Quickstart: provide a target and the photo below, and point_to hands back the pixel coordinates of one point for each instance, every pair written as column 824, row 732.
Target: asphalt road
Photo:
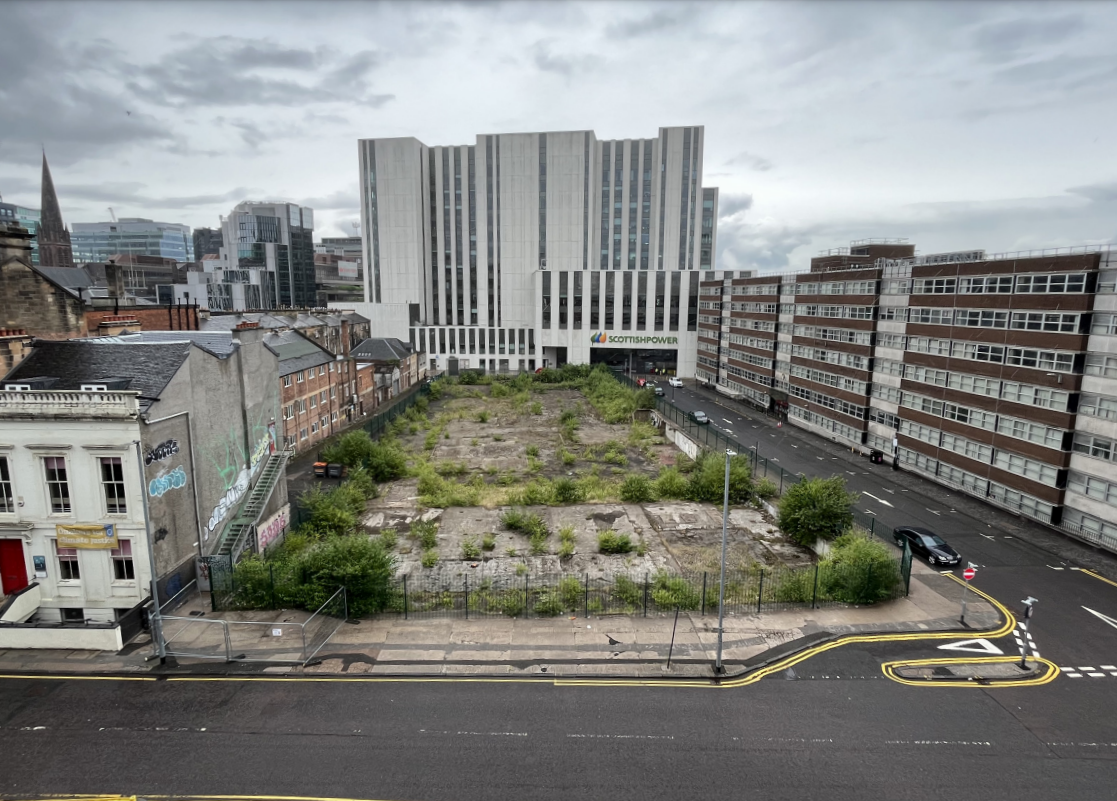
column 1017, row 558
column 835, row 738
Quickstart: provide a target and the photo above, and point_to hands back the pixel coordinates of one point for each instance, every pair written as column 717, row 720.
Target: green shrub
column 449, row 468
column 538, row 544
column 670, row 591
column 637, row 489
column 566, row 457
column 613, row 401
column 568, row 416
column 329, row 512
column 426, row 533
column 532, row 450
column 498, row 438
column 536, row 408
column 707, row 481
column 627, row 591
column 671, row 484
column 469, row 377
column 431, row 439
column 549, row 604
column 641, row 548
column 612, row 542
column 470, row 548
column 530, row 524
column 429, row 558
column 488, row 542
column 859, row 571
column 766, row 488
column 816, row 509
column 521, row 568
column 536, row 492
column 572, row 592
column 499, row 390
column 389, row 537
column 566, row 550
column 794, row 586
column 482, row 417
column 512, row 602
column 567, row 491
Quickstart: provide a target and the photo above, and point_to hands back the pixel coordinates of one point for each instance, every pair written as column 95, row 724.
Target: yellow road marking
column 1095, row 575
column 743, row 681
column 890, row 667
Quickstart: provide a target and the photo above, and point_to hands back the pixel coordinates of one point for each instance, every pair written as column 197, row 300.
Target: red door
column 13, row 570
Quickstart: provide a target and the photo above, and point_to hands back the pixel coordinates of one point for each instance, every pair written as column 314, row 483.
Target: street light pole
column 1028, row 608
column 724, row 537
column 160, row 652
column 965, row 589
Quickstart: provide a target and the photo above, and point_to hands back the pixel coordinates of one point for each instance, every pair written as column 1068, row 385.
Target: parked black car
column 927, row 544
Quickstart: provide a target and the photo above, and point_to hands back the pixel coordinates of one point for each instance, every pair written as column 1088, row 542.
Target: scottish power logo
column 603, row 338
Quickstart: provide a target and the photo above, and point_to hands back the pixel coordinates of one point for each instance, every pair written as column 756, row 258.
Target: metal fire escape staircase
column 236, row 537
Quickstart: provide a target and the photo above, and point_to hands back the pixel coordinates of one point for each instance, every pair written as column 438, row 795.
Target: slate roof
column 148, row 367
column 227, row 322
column 382, row 349
column 219, row 343
column 296, row 352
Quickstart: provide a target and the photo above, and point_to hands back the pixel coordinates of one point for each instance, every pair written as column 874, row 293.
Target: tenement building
column 536, row 249
column 992, row 374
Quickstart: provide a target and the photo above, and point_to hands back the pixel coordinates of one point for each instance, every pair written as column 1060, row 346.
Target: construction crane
column 112, row 214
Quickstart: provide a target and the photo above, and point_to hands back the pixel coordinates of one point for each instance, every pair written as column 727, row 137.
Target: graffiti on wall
column 161, row 485
column 230, row 499
column 270, row 529
column 164, row 450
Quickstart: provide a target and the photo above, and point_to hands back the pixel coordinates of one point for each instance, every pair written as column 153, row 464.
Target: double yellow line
column 741, row 681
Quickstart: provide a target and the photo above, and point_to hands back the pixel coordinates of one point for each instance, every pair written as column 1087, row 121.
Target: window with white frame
column 1092, row 487
column 286, row 380
column 68, row 568
column 1049, row 284
column 313, row 401
column 123, row 568
column 1035, row 396
column 917, row 461
column 981, row 318
column 888, row 367
column 926, row 375
column 1031, row 432
column 112, row 485
column 288, row 411
column 1092, row 405
column 967, row 447
column 1045, row 321
column 934, row 286
column 1107, row 282
column 1024, row 503
column 949, row 474
column 1104, row 324
column 892, row 394
column 1089, row 525
column 894, row 313
column 985, row 285
column 7, row 499
column 889, row 340
column 978, row 352
column 1100, row 364
column 299, row 377
column 920, row 432
column 978, row 385
column 58, row 486
column 1028, row 468
column 302, row 433
column 1093, row 445
column 931, row 345
column 930, row 315
column 1040, row 359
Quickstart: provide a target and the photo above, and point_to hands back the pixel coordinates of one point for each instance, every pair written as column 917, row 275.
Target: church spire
column 54, row 239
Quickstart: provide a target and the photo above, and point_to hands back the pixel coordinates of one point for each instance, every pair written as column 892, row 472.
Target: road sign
column 968, row 573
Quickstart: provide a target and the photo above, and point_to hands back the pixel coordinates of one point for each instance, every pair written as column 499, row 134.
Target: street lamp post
column 965, row 589
column 1028, row 608
column 724, row 538
column 156, row 618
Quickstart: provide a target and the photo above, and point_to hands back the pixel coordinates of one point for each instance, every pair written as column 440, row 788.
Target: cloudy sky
column 954, row 124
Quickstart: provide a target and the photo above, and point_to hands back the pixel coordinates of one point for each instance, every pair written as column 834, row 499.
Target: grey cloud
column 130, row 194
column 1098, row 193
column 763, row 246
column 631, row 28
column 226, row 71
column 341, row 199
column 729, row 205
column 750, row 160
column 547, row 61
column 1005, row 39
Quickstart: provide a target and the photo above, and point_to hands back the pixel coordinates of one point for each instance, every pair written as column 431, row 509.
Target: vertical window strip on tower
column 662, row 195
column 676, row 281
column 472, row 187
column 626, row 303
column 610, row 299
column 693, row 199
column 595, row 299
column 606, row 150
column 459, row 249
column 546, row 300
column 564, row 300
column 683, row 216
column 489, row 226
column 448, row 273
column 692, row 304
column 642, row 302
column 618, row 201
column 375, row 227
column 633, row 195
column 542, row 200
column 499, row 299
column 577, row 321
column 646, row 204
column 434, row 239
column 660, row 286
column 586, row 200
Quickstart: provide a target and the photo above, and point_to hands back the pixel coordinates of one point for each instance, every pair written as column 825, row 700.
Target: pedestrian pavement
column 623, row 646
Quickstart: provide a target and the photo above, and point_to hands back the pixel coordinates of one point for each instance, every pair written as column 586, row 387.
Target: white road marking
column 623, row 736
column 848, row 471
column 932, row 511
column 1108, row 667
column 1086, row 669
column 1052, row 567
column 1096, row 675
column 1072, row 675
column 937, row 742
column 1102, row 617
column 875, row 498
column 479, row 733
column 795, row 446
column 987, row 536
column 888, row 490
column 979, row 646
column 773, row 459
column 726, row 419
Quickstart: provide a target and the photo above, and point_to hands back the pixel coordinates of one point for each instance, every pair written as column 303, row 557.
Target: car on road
column 675, row 382
column 700, row 418
column 659, row 390
column 927, row 544
column 641, row 382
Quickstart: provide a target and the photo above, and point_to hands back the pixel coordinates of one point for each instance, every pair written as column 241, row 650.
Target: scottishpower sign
column 604, row 338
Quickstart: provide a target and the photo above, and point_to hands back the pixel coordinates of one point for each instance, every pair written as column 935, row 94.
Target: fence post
column 814, row 597
column 760, row 592
column 703, row 592
column 781, row 481
column 271, row 574
column 405, row 596
column 872, row 527
column 467, row 596
column 868, row 581
column 645, row 595
column 527, row 595
column 587, row 595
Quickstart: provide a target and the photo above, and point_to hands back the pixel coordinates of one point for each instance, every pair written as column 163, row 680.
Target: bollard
column 760, row 592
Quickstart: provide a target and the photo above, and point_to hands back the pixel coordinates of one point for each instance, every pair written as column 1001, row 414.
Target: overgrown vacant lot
column 479, row 452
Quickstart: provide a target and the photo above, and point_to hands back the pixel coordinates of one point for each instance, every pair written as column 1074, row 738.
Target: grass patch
column 613, row 543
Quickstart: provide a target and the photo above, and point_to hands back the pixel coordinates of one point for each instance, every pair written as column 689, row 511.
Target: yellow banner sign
column 91, row 537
